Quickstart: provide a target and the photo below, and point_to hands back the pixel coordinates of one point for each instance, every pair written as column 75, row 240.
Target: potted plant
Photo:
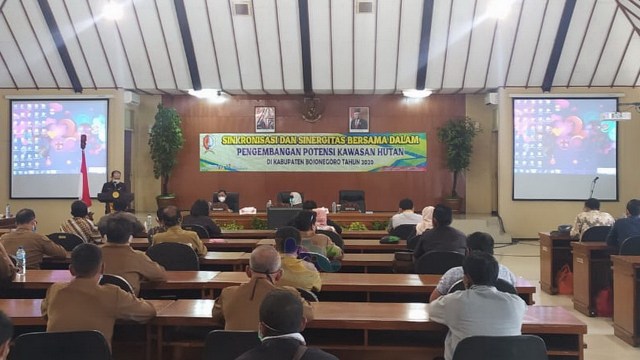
column 165, row 141
column 457, row 135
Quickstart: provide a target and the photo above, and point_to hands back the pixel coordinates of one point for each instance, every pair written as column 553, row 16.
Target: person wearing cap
column 281, row 324
column 237, row 307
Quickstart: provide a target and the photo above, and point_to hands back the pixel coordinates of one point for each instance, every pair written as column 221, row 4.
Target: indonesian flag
column 84, row 182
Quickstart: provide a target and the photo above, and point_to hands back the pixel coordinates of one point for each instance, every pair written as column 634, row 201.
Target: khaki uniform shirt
column 34, row 244
column 177, row 235
column 135, row 266
column 82, row 305
column 238, row 307
column 7, row 270
column 299, row 274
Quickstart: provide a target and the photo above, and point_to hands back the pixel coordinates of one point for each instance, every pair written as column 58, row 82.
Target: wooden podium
column 109, row 197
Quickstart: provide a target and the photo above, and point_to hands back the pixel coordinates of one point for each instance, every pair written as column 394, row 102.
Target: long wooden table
column 343, row 218
column 555, row 251
column 591, row 273
column 360, row 245
column 270, row 234
column 389, row 330
column 245, row 245
column 626, row 302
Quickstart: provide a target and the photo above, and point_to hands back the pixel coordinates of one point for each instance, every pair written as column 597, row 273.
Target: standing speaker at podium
column 114, row 189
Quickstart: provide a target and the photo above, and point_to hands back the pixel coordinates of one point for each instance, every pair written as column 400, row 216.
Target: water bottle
column 333, row 207
column 269, row 203
column 148, row 223
column 21, row 261
column 7, row 211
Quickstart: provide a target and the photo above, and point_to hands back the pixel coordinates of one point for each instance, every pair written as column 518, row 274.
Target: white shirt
column 456, row 274
column 480, row 310
column 405, row 217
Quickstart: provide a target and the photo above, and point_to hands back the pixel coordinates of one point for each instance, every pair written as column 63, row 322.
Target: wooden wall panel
column 383, row 190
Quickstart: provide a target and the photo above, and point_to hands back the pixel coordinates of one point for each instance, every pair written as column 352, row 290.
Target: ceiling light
column 416, row 94
column 213, row 95
column 112, row 11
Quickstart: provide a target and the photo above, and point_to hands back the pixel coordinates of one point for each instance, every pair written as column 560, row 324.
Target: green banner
column 313, row 152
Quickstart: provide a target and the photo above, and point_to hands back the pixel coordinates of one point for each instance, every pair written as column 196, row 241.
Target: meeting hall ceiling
column 256, row 47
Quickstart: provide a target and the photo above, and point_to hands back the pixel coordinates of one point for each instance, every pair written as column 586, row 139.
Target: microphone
column 593, row 186
column 596, row 179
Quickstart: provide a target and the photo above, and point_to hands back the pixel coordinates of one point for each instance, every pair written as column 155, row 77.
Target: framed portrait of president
column 359, row 119
column 265, row 117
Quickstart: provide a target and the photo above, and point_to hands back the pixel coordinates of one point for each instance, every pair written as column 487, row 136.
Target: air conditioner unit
column 491, row 98
column 131, row 98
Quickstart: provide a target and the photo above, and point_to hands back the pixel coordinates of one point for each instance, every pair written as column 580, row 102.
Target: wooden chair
column 74, row 345
column 630, row 246
column 198, row 229
column 66, row 240
column 521, row 347
column 118, row 281
column 228, row 345
column 438, row 262
column 596, row 233
column 174, row 256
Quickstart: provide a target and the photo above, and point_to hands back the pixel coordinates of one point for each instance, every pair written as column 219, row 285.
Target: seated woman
column 295, row 199
column 305, row 221
column 296, row 272
column 199, row 215
column 424, row 225
column 219, row 202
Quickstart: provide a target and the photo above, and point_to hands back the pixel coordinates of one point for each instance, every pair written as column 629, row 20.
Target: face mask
column 116, row 181
column 221, row 198
column 34, row 228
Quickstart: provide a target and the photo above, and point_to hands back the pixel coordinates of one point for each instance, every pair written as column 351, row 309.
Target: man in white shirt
column 405, row 216
column 481, row 310
column 589, row 217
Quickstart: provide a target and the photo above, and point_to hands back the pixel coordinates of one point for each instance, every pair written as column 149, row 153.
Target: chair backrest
column 198, row 229
column 283, row 197
column 307, row 295
column 75, row 345
column 403, row 262
column 438, row 262
column 630, row 246
column 457, row 286
column 66, row 240
column 118, row 281
column 405, row 232
column 321, row 262
column 335, row 237
column 232, row 201
column 596, row 233
column 521, row 347
column 350, row 198
column 228, row 345
column 174, row 256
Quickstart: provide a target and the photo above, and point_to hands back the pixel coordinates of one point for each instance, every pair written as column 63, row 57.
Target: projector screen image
column 45, row 146
column 561, row 149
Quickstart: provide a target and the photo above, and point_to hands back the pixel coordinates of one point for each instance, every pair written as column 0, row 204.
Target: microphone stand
column 593, row 186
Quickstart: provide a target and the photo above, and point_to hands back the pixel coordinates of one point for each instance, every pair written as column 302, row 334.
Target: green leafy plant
column 357, row 226
column 231, row 226
column 457, row 135
column 165, row 141
column 379, row 225
column 258, row 224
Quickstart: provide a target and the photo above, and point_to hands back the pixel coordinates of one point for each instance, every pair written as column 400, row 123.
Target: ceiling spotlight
column 112, row 11
column 213, row 95
column 416, row 94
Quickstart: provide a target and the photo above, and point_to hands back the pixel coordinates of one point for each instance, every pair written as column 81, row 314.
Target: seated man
column 83, row 304
column 481, row 309
column 120, row 259
column 625, row 227
column 305, row 222
column 442, row 237
column 221, row 205
column 119, row 208
column 7, row 269
column 478, row 241
column 405, row 216
column 589, row 217
column 199, row 215
column 295, row 272
column 172, row 221
column 281, row 324
column 238, row 306
column 6, row 333
column 35, row 245
column 80, row 224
